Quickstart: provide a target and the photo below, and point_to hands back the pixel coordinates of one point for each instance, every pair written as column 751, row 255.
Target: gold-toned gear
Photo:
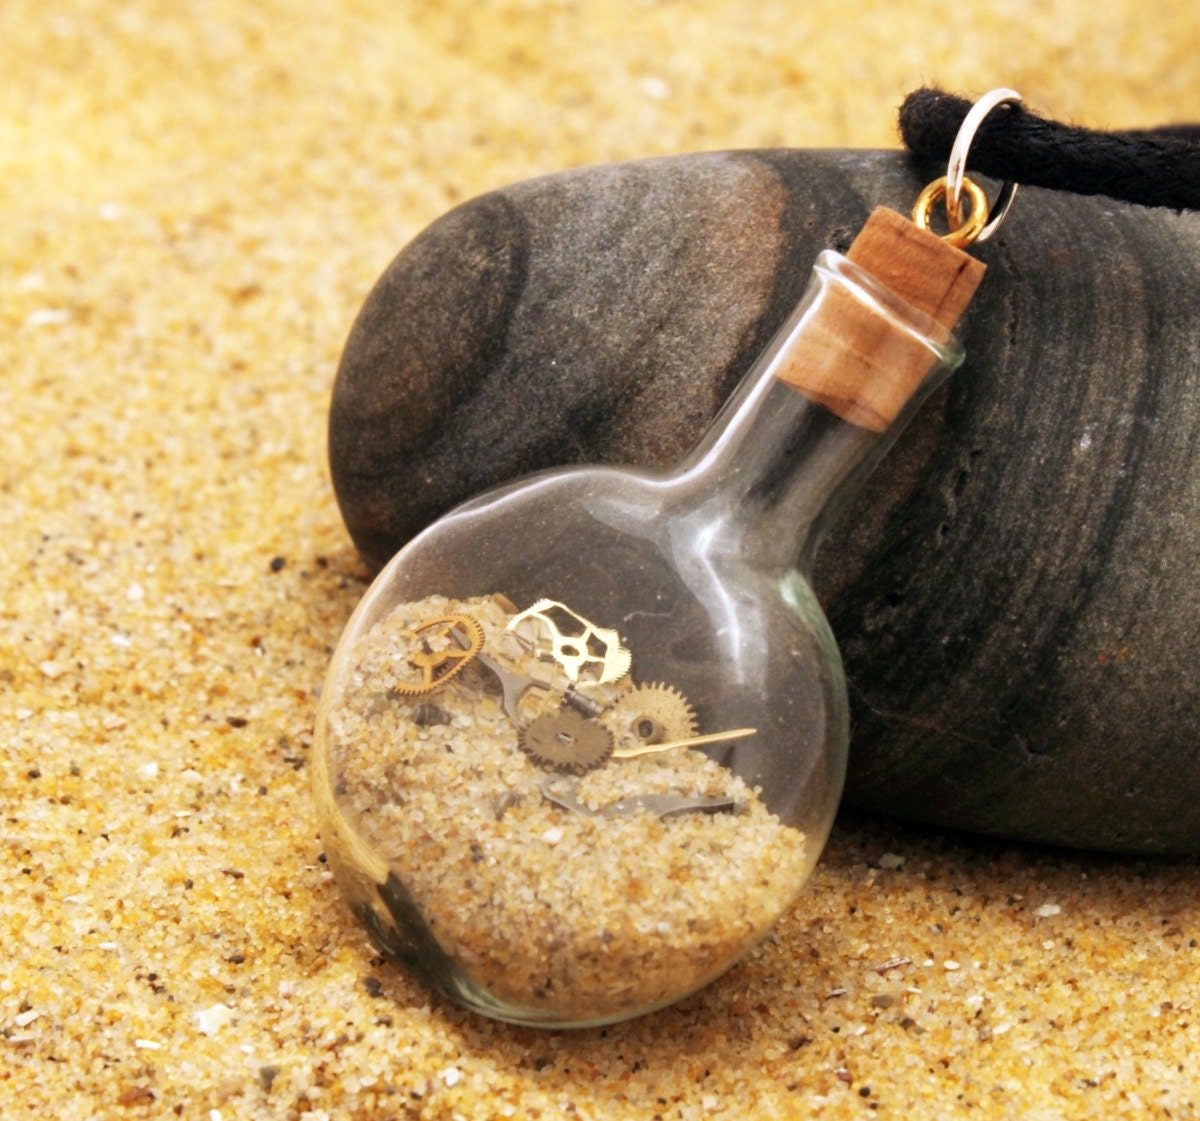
column 441, row 649
column 567, row 742
column 596, row 649
column 651, row 714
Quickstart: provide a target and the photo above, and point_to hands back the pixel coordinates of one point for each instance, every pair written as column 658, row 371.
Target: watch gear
column 596, row 649
column 441, row 648
column 567, row 743
column 651, row 714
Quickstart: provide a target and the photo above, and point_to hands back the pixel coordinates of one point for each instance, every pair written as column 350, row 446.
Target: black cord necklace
column 1152, row 167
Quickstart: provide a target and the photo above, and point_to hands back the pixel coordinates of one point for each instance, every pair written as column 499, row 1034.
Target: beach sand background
column 196, row 197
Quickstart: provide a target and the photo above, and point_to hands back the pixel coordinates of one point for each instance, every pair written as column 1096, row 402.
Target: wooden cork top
column 932, row 275
column 855, row 361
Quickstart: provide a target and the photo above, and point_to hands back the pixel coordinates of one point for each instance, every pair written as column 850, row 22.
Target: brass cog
column 579, row 654
column 650, row 714
column 441, row 649
column 567, row 742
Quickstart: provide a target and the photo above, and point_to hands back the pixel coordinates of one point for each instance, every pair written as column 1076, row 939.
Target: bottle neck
column 814, row 415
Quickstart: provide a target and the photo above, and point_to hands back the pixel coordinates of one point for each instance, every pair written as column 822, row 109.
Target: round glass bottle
column 583, row 740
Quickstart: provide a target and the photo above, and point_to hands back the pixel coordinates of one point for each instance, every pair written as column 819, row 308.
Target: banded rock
column 1014, row 591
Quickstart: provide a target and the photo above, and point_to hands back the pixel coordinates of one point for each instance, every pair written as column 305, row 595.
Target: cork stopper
column 857, row 363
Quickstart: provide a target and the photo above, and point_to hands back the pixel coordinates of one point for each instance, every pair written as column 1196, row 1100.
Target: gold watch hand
column 691, row 741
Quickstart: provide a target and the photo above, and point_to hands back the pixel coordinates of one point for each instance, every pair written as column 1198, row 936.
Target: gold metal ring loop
column 975, row 220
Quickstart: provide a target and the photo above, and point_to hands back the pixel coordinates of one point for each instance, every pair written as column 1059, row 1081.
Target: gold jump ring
column 973, row 224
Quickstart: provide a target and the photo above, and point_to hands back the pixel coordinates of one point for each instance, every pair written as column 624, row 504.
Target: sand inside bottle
column 586, row 912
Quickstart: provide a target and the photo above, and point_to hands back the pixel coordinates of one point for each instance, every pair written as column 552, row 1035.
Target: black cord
column 1153, row 167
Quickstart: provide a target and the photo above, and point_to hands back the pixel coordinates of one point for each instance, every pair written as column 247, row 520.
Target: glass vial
column 583, row 740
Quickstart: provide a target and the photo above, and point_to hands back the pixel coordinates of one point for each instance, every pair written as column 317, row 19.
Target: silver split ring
column 957, row 167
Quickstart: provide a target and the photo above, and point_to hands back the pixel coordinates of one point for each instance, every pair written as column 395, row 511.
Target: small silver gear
column 567, row 742
column 650, row 714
